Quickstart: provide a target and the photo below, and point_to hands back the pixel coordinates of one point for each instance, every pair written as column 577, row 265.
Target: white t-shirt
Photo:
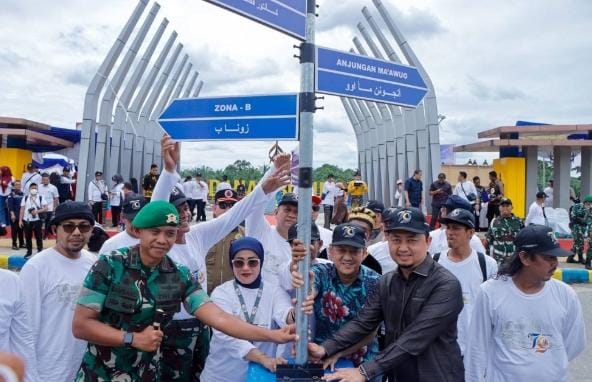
column 225, row 362
column 28, row 202
column 15, row 328
column 468, row 272
column 549, row 199
column 380, row 251
column 440, row 243
column 330, row 191
column 202, row 190
column 49, row 193
column 326, row 236
column 50, row 283
column 524, row 337
column 121, row 240
column 535, row 215
column 188, row 254
column 464, row 189
column 117, row 195
column 29, row 178
column 223, row 186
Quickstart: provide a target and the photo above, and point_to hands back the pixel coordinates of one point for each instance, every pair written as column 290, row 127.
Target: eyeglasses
column 316, row 208
column 240, row 263
column 70, row 227
column 225, row 205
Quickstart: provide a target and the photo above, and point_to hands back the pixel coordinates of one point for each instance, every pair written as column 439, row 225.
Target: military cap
column 156, row 214
column 226, row 195
column 588, row 199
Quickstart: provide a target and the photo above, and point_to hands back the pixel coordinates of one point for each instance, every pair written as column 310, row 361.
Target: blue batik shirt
column 336, row 304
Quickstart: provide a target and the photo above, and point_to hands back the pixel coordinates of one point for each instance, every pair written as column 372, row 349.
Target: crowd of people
column 398, row 297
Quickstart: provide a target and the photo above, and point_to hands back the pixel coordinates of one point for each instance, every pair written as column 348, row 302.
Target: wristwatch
column 363, row 372
column 128, row 338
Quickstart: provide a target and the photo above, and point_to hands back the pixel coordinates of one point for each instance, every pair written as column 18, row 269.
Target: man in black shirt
column 419, row 304
column 440, row 190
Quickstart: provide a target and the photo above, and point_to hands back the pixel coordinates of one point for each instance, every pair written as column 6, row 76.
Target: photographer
column 31, row 206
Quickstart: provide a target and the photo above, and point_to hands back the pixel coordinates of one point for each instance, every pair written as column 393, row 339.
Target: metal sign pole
column 307, row 109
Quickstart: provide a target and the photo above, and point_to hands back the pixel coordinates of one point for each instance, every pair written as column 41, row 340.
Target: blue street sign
column 287, row 16
column 261, row 117
column 351, row 75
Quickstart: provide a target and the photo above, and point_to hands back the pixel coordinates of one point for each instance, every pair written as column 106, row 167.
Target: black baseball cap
column 98, row 173
column 454, row 201
column 350, row 235
column 406, row 219
column 31, row 166
column 177, row 197
column 539, row 239
column 132, row 204
column 505, row 201
column 289, row 198
column 314, row 232
column 460, row 216
column 540, row 195
column 227, row 195
column 376, row 206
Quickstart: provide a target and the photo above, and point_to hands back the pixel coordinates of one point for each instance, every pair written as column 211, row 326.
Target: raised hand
column 281, row 160
column 280, row 178
column 170, row 152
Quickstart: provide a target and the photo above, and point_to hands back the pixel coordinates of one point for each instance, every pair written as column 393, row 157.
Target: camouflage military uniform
column 500, row 236
column 126, row 294
column 579, row 221
column 218, row 262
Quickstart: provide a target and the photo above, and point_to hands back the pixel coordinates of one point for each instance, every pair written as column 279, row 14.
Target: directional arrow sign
column 287, row 16
column 351, row 75
column 260, row 118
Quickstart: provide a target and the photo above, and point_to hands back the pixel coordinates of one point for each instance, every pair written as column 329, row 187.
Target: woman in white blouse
column 251, row 300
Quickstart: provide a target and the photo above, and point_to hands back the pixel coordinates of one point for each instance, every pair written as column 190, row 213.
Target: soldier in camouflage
column 501, row 233
column 123, row 290
column 580, row 220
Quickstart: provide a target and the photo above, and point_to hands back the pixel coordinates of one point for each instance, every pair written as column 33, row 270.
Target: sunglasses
column 316, row 208
column 70, row 227
column 240, row 263
column 225, row 205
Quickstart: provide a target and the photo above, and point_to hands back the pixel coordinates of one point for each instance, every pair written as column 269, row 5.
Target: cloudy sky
column 492, row 63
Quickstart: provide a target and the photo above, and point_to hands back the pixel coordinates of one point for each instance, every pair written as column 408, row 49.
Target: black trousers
column 47, row 223
column 31, row 228
column 328, row 212
column 115, row 215
column 17, row 233
column 492, row 211
column 192, row 203
column 435, row 216
column 97, row 210
column 201, row 210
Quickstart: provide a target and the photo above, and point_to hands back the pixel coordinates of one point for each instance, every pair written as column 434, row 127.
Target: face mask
column 33, row 191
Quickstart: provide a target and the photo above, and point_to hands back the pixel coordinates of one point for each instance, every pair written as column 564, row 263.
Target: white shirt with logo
column 440, row 243
column 50, row 283
column 516, row 336
column 29, row 178
column 468, row 272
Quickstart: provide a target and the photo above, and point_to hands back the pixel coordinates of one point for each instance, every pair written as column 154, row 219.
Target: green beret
column 588, row 199
column 156, row 214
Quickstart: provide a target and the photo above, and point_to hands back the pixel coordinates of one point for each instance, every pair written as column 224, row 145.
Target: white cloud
column 492, row 63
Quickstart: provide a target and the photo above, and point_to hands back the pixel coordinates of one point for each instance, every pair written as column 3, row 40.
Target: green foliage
column 320, row 174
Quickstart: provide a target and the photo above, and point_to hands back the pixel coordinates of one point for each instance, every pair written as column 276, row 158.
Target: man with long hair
column 526, row 326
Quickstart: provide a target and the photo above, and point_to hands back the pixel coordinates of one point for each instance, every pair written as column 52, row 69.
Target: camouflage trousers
column 579, row 235
column 184, row 350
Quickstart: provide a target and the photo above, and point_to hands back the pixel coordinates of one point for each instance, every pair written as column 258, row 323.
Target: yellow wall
column 16, row 159
column 250, row 184
column 512, row 173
